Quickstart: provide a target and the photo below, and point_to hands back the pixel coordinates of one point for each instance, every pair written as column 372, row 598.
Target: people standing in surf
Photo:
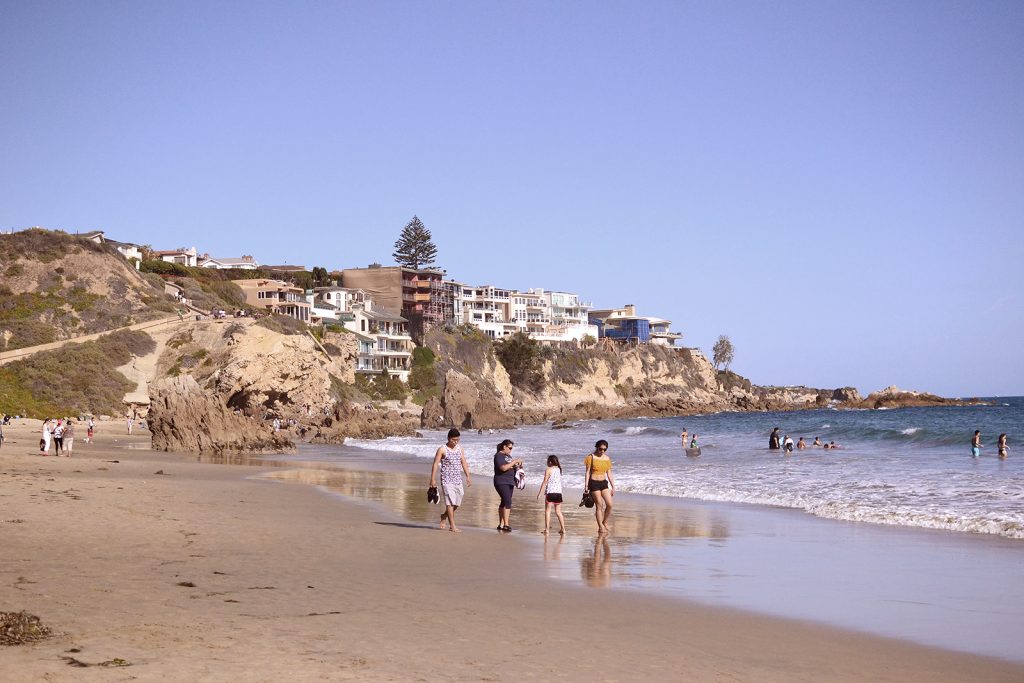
column 683, row 437
column 451, row 460
column 774, row 443
column 693, row 442
column 787, row 444
column 1004, row 450
column 551, row 487
column 599, row 483
column 976, row 444
column 817, row 441
column 505, row 480
column 800, row 444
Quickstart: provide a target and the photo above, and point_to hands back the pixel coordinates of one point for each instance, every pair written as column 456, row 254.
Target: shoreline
column 291, row 583
column 715, row 553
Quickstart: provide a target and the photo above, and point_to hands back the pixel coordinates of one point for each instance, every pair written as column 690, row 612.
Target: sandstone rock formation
column 184, row 417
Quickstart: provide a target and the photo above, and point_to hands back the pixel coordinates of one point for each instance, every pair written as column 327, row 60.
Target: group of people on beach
column 61, row 433
column 509, row 475
column 1003, row 450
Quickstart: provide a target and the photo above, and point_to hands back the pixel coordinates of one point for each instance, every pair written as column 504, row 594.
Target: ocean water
column 906, row 467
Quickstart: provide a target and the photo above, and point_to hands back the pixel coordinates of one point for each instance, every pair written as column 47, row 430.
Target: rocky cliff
column 263, row 374
column 185, row 417
column 476, row 390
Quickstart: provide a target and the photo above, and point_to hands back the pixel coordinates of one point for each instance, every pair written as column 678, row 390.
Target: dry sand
column 206, row 573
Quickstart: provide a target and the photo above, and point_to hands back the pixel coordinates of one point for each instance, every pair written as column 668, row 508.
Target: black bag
column 588, row 500
column 432, row 496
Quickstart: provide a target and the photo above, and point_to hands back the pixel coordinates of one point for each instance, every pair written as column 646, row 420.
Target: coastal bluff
column 476, row 390
column 184, row 417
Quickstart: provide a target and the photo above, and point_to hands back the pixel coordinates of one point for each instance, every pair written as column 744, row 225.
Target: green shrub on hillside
column 46, row 246
column 283, row 324
column 522, row 357
column 423, row 376
column 79, row 378
column 382, row 387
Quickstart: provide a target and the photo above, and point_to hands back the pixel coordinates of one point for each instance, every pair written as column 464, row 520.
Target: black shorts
column 555, row 498
column 598, row 485
column 505, row 491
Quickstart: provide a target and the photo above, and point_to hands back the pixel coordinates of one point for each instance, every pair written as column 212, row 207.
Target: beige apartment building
column 275, row 296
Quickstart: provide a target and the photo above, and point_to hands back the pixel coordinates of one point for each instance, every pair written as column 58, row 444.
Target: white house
column 243, row 263
column 186, row 257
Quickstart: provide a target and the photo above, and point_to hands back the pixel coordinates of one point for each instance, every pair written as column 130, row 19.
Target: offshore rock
column 183, row 417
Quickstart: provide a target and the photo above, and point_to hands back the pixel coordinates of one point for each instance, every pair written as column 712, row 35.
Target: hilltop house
column 625, row 326
column 275, row 296
column 419, row 296
column 132, row 252
column 186, row 257
column 543, row 315
column 243, row 263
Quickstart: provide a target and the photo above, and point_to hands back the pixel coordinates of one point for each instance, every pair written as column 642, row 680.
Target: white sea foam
column 878, row 477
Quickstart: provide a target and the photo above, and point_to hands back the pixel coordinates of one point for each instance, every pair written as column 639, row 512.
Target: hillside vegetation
column 56, row 286
column 78, row 379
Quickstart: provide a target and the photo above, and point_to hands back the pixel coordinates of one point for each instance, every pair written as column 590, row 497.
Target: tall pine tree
column 415, row 247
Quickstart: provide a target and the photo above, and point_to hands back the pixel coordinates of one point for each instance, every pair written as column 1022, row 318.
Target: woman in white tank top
column 551, row 487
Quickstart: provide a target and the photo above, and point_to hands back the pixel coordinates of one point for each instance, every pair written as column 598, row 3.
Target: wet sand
column 916, row 584
column 217, row 573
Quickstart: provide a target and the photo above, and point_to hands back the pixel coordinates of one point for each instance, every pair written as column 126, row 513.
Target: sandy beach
column 152, row 566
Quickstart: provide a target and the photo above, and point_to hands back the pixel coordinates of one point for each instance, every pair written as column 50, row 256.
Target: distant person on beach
column 1004, row 450
column 47, row 430
column 773, row 440
column 787, row 444
column 817, row 441
column 551, row 487
column 58, row 438
column 89, row 430
column 451, row 459
column 683, row 436
column 131, row 423
column 69, row 437
column 505, row 467
column 976, row 444
column 800, row 445
column 599, row 483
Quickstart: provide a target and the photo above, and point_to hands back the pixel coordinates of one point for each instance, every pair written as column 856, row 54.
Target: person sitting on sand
column 800, row 445
column 1004, row 450
column 817, row 441
column 451, row 460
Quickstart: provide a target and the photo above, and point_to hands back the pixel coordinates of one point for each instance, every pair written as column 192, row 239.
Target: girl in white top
column 551, row 487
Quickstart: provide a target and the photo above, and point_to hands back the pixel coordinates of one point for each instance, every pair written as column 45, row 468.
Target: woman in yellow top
column 600, row 484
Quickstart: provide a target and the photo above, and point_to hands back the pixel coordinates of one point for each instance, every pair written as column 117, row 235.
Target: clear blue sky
column 837, row 186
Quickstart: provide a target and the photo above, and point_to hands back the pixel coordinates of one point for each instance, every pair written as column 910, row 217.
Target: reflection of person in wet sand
column 451, row 460
column 597, row 567
column 553, row 550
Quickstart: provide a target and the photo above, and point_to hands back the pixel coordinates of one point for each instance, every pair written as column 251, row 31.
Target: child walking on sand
column 551, row 487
